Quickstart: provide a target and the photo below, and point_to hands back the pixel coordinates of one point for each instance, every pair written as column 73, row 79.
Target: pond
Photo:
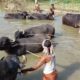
column 67, row 49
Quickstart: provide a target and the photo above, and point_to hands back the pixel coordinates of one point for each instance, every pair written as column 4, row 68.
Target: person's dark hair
column 52, row 5
column 47, row 43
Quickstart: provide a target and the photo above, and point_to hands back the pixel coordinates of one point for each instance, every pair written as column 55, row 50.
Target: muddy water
column 67, row 48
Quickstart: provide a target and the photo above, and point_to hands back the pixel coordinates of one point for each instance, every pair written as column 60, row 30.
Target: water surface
column 67, row 49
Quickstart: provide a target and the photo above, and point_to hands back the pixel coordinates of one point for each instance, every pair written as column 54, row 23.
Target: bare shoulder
column 46, row 58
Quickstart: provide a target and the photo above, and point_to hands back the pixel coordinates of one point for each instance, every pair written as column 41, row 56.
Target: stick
column 33, row 54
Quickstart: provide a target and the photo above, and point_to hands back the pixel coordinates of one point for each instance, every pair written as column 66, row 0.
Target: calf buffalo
column 36, row 31
column 71, row 20
column 9, row 67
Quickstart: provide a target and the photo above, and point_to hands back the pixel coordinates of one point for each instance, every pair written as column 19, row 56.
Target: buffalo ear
column 15, row 45
column 2, row 58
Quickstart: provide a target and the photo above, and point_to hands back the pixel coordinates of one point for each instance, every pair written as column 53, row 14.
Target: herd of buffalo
column 28, row 40
column 26, row 15
column 68, row 19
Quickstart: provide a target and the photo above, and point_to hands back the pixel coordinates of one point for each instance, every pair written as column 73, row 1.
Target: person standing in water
column 48, row 60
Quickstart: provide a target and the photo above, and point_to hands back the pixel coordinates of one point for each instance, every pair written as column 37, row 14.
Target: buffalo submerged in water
column 32, row 38
column 71, row 20
column 32, row 16
column 18, row 15
column 9, row 67
column 31, row 41
column 40, row 30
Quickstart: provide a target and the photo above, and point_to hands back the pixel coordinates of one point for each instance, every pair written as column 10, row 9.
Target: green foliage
column 66, row 1
column 57, row 1
column 61, row 1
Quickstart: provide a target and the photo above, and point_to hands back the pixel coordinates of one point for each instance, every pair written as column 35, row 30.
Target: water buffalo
column 40, row 16
column 9, row 67
column 36, row 31
column 26, row 15
column 31, row 40
column 71, row 20
column 19, row 34
column 21, row 46
column 19, row 15
column 11, row 47
column 32, row 44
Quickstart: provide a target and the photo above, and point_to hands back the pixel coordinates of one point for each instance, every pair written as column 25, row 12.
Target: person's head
column 37, row 5
column 52, row 5
column 47, row 43
column 47, row 46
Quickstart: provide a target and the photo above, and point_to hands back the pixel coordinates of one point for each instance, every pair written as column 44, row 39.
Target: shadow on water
column 68, row 71
column 63, row 75
column 35, row 75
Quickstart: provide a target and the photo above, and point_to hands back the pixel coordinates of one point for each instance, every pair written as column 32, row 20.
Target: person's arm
column 38, row 65
column 28, row 69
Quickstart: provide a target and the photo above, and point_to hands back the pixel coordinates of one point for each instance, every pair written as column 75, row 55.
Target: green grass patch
column 45, row 4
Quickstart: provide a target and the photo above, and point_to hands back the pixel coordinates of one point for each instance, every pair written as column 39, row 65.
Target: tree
column 36, row 1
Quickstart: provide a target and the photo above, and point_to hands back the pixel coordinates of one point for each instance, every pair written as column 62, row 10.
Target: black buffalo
column 43, row 30
column 31, row 42
column 21, row 46
column 40, row 16
column 9, row 67
column 26, row 15
column 32, row 38
column 19, row 15
column 71, row 20
column 11, row 47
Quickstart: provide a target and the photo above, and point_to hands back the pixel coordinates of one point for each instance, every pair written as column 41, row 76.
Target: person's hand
column 24, row 71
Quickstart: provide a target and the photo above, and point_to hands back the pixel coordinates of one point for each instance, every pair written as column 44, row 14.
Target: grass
column 58, row 5
column 69, row 6
column 62, row 5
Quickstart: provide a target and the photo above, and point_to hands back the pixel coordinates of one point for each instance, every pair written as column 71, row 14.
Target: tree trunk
column 36, row 1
